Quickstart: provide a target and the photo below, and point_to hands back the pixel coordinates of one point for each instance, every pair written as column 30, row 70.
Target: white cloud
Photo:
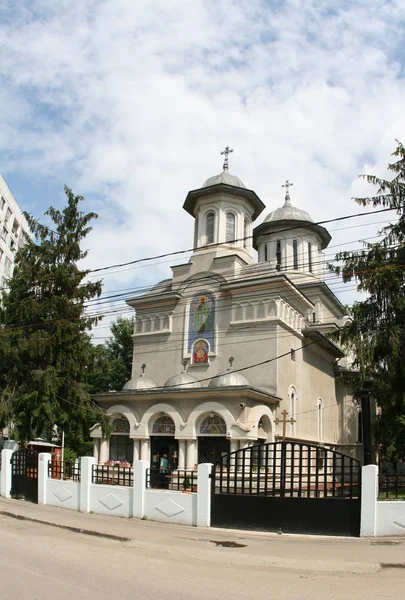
column 130, row 104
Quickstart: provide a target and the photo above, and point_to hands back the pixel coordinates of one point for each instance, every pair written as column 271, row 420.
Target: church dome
column 182, row 380
column 226, row 178
column 288, row 212
column 140, row 383
column 230, row 378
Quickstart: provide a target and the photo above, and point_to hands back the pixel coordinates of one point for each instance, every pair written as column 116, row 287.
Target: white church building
column 235, row 340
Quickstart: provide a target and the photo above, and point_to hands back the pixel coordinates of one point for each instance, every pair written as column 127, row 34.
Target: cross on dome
column 287, row 186
column 226, row 153
column 143, row 367
column 231, row 359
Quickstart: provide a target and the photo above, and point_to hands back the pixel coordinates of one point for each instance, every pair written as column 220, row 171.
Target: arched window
column 266, row 257
column 230, row 227
column 293, row 409
column 295, row 254
column 213, row 425
column 278, row 255
column 209, row 227
column 310, row 257
column 319, row 406
column 245, row 232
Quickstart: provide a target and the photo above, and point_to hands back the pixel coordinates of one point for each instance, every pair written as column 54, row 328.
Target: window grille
column 230, row 227
column 209, row 228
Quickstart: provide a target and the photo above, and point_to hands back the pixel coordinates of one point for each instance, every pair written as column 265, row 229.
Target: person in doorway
column 164, row 464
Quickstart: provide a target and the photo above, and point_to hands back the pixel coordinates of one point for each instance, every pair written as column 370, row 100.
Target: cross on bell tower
column 226, row 153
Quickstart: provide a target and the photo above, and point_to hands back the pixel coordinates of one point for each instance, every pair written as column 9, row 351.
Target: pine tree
column 376, row 334
column 44, row 344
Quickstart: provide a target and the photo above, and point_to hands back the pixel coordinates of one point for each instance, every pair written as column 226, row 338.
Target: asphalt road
column 39, row 562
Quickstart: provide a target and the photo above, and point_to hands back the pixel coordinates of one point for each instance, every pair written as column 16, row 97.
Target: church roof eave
column 194, row 195
column 285, row 225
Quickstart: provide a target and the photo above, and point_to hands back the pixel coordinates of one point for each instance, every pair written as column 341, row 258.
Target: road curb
column 109, row 536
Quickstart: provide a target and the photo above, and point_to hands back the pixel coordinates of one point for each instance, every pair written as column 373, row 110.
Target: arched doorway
column 212, row 442
column 121, row 445
column 163, row 445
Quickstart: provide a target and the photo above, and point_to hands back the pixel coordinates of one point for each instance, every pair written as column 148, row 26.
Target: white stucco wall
column 171, row 507
column 65, row 494
column 390, row 518
column 111, row 500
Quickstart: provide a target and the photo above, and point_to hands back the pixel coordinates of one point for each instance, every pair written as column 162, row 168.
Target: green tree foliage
column 376, row 334
column 112, row 361
column 44, row 344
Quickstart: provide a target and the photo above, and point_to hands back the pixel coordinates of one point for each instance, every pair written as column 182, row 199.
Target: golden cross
column 284, row 421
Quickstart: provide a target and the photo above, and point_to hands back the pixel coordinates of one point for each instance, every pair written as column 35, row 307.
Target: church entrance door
column 163, row 460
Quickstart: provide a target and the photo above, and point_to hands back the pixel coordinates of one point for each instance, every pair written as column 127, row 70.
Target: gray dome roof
column 229, row 379
column 226, row 178
column 182, row 380
column 288, row 212
column 140, row 383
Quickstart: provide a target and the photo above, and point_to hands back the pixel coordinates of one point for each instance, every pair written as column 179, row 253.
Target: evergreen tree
column 44, row 344
column 112, row 361
column 376, row 334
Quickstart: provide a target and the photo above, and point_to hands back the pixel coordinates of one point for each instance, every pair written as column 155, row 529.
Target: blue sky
column 130, row 103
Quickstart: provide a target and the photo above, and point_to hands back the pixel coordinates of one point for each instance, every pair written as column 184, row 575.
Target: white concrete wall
column 390, row 518
column 111, row 500
column 379, row 517
column 65, row 494
column 171, row 507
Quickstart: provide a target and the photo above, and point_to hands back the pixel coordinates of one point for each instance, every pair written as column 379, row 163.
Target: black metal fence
column 288, row 469
column 391, row 487
column 64, row 470
column 113, row 475
column 179, row 480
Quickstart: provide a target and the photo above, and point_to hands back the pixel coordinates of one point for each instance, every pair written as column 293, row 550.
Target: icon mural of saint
column 200, row 352
column 201, row 326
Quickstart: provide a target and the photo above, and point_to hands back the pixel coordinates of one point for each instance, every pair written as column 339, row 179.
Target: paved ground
column 169, row 561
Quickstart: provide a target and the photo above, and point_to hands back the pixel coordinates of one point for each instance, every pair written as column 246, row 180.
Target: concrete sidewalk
column 351, row 555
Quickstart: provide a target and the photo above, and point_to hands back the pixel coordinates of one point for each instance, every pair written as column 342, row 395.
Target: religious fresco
column 163, row 424
column 201, row 322
column 120, row 425
column 213, row 425
column 200, row 352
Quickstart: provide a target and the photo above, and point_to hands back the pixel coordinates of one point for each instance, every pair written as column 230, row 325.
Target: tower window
column 310, row 257
column 230, row 227
column 245, row 232
column 278, row 255
column 266, row 258
column 209, row 227
column 295, row 254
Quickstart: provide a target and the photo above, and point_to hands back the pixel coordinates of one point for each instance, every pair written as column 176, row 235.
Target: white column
column 138, row 505
column 5, row 482
column 136, row 452
column 96, row 450
column 191, row 458
column 86, row 467
column 145, row 449
column 104, row 450
column 369, row 494
column 204, row 495
column 182, row 454
column 43, row 459
column 234, row 445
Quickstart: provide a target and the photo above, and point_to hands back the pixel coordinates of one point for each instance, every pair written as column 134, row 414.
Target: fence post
column 369, row 495
column 43, row 460
column 86, row 474
column 204, row 494
column 138, row 503
column 5, row 483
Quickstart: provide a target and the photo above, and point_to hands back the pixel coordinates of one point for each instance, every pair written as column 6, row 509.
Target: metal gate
column 24, row 475
column 288, row 487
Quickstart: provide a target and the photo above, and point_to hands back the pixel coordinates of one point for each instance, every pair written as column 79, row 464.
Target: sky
column 130, row 104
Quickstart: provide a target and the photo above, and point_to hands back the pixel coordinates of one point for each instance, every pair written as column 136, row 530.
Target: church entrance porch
column 288, row 487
